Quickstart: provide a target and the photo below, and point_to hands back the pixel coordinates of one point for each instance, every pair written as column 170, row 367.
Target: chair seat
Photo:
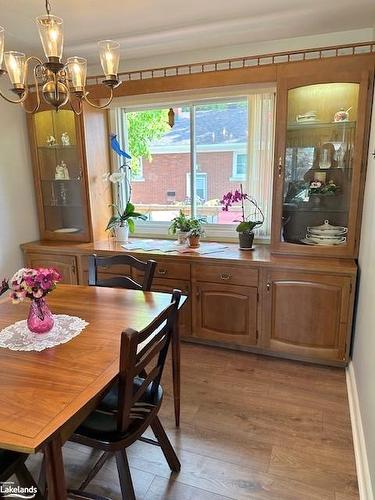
column 101, row 424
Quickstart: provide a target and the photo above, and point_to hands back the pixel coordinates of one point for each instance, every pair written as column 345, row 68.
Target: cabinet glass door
column 318, row 173
column 60, row 173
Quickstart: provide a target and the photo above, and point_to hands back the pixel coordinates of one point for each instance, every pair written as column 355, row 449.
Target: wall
column 364, row 339
column 18, row 217
column 170, row 57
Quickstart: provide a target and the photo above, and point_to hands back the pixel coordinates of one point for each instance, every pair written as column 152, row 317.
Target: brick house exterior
column 221, row 145
column 169, row 173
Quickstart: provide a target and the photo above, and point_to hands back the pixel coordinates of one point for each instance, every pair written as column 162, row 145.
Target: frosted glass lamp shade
column 51, row 35
column 1, row 46
column 77, row 70
column 109, row 52
column 15, row 63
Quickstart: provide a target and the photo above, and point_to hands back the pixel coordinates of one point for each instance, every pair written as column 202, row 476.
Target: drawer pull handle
column 225, row 276
column 268, row 286
column 162, row 271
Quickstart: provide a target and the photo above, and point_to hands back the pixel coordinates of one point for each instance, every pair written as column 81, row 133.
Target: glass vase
column 40, row 319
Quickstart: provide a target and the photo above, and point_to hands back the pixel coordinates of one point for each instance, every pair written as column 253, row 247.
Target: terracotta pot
column 194, row 241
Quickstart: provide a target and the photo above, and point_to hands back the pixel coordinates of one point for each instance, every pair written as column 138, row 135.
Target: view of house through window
column 191, row 165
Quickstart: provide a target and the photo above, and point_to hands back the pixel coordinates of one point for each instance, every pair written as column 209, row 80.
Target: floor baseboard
column 363, row 471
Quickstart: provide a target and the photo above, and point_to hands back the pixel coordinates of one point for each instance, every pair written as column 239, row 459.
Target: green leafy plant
column 196, row 228
column 121, row 218
column 143, row 128
column 180, row 223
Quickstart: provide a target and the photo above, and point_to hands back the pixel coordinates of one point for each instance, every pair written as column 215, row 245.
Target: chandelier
column 57, row 82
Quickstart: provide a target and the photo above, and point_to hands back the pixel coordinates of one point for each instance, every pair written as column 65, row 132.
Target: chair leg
column 167, row 448
column 126, row 483
column 42, row 481
column 176, row 372
column 93, row 472
column 26, row 480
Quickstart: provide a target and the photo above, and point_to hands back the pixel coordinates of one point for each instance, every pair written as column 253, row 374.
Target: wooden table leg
column 55, row 470
column 176, row 371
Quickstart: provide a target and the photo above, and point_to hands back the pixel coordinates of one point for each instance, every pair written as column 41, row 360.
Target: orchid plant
column 122, row 215
column 31, row 284
column 246, row 224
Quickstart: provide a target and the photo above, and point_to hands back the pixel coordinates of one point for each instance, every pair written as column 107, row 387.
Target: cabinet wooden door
column 225, row 313
column 320, row 162
column 65, row 264
column 306, row 314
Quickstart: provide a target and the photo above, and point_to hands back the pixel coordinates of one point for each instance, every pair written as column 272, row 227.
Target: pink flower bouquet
column 32, row 283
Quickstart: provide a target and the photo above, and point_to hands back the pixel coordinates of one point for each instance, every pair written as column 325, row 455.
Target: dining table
column 44, row 396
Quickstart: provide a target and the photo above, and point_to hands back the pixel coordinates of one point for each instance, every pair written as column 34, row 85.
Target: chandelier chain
column 48, row 7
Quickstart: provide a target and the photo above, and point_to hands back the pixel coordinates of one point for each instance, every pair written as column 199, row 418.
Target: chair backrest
column 123, row 281
column 142, row 358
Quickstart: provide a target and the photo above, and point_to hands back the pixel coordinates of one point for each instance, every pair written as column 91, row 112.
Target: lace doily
column 18, row 337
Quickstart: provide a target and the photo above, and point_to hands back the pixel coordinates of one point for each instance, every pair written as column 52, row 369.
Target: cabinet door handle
column 268, row 286
column 198, row 293
column 225, row 276
column 280, row 166
column 162, row 271
column 73, row 269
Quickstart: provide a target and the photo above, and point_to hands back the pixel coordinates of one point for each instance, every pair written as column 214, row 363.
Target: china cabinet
column 69, row 155
column 322, row 124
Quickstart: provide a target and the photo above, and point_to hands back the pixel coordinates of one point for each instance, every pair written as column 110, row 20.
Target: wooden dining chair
column 132, row 405
column 11, row 463
column 148, row 268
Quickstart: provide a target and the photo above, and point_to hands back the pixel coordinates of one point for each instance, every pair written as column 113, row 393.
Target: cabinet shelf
column 319, row 125
column 58, row 147
column 62, row 205
column 61, row 180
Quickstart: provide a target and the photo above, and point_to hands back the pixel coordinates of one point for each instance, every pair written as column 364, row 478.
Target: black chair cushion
column 101, row 424
column 8, row 460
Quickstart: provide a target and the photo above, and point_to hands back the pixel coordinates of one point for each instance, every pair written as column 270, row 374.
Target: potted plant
column 180, row 225
column 123, row 221
column 195, row 232
column 247, row 224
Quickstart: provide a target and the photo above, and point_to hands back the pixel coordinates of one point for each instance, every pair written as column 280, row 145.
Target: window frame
column 157, row 229
column 235, row 175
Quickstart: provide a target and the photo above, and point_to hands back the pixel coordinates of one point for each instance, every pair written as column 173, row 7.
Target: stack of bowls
column 326, row 234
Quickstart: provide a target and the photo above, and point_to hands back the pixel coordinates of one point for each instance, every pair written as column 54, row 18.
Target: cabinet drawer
column 169, row 270
column 167, row 285
column 226, row 274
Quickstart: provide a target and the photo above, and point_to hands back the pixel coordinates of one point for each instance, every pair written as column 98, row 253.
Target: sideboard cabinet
column 293, row 308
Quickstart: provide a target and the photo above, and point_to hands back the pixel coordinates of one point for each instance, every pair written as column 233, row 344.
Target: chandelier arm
column 37, row 105
column 75, row 110
column 110, row 99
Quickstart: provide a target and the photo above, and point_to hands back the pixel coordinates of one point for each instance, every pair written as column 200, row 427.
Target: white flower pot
column 122, row 233
column 182, row 237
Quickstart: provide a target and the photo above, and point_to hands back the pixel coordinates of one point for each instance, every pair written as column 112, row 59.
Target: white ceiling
column 152, row 27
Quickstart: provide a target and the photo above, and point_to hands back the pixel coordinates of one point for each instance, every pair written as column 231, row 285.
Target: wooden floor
column 253, row 427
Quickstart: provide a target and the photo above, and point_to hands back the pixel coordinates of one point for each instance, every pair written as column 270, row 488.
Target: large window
column 212, row 147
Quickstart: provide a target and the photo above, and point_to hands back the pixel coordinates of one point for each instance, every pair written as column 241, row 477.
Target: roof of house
column 214, row 124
